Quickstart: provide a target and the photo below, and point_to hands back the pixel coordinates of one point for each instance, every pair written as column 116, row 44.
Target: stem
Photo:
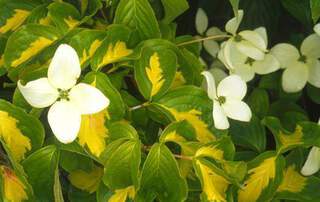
column 139, row 106
column 9, row 85
column 204, row 39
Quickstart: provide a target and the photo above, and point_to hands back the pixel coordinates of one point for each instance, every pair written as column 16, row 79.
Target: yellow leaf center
column 292, row 181
column 115, row 52
column 16, row 142
column 154, row 73
column 15, row 21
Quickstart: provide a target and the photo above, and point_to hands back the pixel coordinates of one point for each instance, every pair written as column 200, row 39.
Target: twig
column 203, row 39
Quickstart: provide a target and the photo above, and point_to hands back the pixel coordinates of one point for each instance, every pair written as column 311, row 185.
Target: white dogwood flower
column 300, row 67
column 252, row 44
column 69, row 101
column 316, row 29
column 244, row 66
column 227, row 100
column 312, row 165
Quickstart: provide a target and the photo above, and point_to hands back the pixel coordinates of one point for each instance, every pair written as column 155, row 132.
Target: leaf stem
column 139, row 106
column 204, row 39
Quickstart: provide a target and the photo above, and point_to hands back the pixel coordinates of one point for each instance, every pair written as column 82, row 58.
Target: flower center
column 238, row 38
column 221, row 100
column 303, row 59
column 63, row 94
column 249, row 61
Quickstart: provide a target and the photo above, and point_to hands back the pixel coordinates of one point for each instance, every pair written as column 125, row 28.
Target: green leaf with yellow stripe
column 155, row 72
column 305, row 134
column 186, row 103
column 86, row 43
column 64, row 15
column 114, row 47
column 13, row 14
column 214, row 166
column 264, row 176
column 27, row 43
column 20, row 132
column 295, row 186
column 39, row 15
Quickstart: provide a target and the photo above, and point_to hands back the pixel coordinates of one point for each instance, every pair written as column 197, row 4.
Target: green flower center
column 63, row 94
column 238, row 38
column 303, row 59
column 249, row 61
column 221, row 100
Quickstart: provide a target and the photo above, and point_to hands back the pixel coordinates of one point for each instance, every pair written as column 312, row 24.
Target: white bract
column 227, row 100
column 69, row 101
column 210, row 45
column 245, row 54
column 316, row 29
column 300, row 67
column 312, row 165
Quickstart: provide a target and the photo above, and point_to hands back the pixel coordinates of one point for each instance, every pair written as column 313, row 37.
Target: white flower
column 201, row 21
column 316, row 29
column 244, row 66
column 300, row 67
column 252, row 44
column 227, row 100
column 312, row 165
column 69, row 101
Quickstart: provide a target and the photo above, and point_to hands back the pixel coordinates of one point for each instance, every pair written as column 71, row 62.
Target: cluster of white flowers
column 245, row 54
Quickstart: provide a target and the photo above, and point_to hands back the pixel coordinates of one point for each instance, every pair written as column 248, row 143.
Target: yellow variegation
column 93, row 132
column 45, row 21
column 292, row 139
column 121, row 195
column 1, row 60
column 292, row 181
column 115, row 52
column 88, row 54
column 193, row 117
column 14, row 189
column 259, row 179
column 173, row 136
column 214, row 186
column 87, row 181
column 178, row 80
column 34, row 48
column 15, row 21
column 155, row 74
column 16, row 142
column 71, row 22
column 212, row 152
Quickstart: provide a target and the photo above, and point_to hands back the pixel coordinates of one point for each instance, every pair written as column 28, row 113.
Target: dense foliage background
column 156, row 141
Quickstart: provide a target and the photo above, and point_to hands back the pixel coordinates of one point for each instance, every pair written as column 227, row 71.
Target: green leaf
column 64, row 15
column 86, row 42
column 299, row 9
column 155, row 72
column 40, row 168
column 114, row 47
column 122, row 161
column 173, row 9
column 249, row 134
column 186, row 103
column 313, row 93
column 259, row 102
column 306, row 134
column 138, row 14
column 296, row 187
column 71, row 161
column 161, row 178
column 27, row 43
column 264, row 176
column 116, row 109
column 315, row 10
column 120, row 129
column 13, row 14
column 28, row 126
